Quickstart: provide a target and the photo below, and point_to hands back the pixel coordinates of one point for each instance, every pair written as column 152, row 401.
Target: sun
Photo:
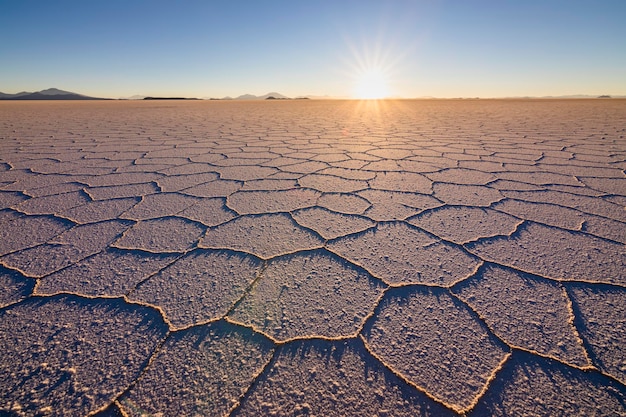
column 371, row 84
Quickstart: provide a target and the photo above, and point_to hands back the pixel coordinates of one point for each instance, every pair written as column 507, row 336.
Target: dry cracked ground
column 322, row 258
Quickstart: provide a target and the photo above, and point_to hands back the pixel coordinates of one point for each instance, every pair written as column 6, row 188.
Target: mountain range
column 253, row 97
column 49, row 94
column 56, row 94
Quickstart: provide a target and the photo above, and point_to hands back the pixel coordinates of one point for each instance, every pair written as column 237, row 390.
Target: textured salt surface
column 259, row 202
column 267, row 236
column 66, row 249
column 20, row 232
column 199, row 287
column 171, row 234
column 72, row 356
column 557, row 254
column 465, row 224
column 110, row 273
column 400, row 254
column 313, row 258
column 331, row 225
column 392, row 205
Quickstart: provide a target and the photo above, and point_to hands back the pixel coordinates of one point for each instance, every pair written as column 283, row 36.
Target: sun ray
column 371, row 67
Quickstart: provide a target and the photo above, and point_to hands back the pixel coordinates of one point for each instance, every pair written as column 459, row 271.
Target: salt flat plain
column 396, row 258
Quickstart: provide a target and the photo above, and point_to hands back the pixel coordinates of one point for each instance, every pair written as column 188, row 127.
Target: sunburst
column 371, row 84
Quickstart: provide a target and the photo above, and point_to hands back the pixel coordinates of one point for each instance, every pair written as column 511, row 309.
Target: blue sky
column 442, row 48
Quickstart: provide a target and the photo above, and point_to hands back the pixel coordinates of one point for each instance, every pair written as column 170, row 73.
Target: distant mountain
column 325, row 97
column 263, row 97
column 247, row 97
column 170, row 98
column 55, row 92
column 135, row 97
column 23, row 93
column 570, row 96
column 49, row 94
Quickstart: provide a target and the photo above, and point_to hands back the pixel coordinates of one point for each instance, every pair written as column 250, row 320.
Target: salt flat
column 393, row 258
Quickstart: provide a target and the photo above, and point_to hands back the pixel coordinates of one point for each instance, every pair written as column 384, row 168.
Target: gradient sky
column 208, row 48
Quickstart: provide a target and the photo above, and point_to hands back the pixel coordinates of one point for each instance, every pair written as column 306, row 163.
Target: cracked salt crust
column 435, row 343
column 205, row 368
column 400, row 254
column 266, row 236
column 199, row 287
column 502, row 222
column 525, row 311
column 308, row 295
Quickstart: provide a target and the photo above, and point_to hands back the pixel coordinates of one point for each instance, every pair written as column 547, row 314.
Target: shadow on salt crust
column 435, row 342
column 601, row 318
column 529, row 385
column 204, row 370
column 15, row 287
column 340, row 378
